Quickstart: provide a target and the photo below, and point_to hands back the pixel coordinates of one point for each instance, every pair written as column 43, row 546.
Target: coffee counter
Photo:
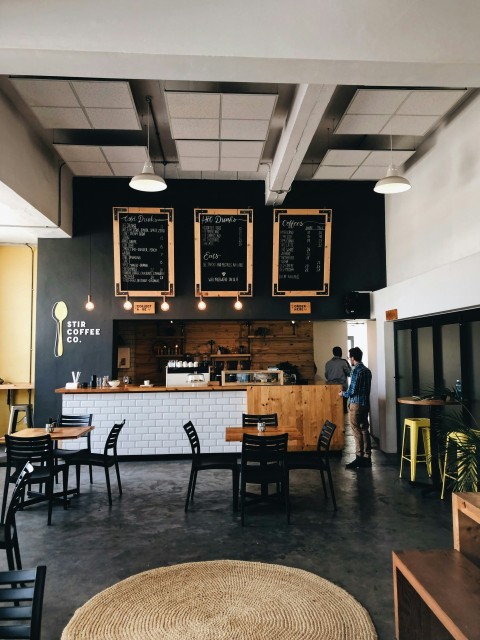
column 155, row 415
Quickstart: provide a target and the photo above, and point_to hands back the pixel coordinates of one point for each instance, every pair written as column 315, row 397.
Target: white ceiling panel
column 106, row 95
column 238, row 164
column 195, row 129
column 193, row 105
column 125, row 154
column 128, row 168
column 333, row 173
column 244, row 129
column 199, row 164
column 61, row 118
column 244, row 106
column 368, row 124
column 113, row 119
column 198, row 148
column 344, row 157
column 369, row 173
column 79, row 153
column 430, row 102
column 90, row 168
column 384, row 158
column 241, row 149
column 46, row 93
column 409, row 125
column 373, row 101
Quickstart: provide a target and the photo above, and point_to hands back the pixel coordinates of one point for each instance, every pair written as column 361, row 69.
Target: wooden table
column 60, row 433
column 235, row 434
column 11, row 387
column 434, row 404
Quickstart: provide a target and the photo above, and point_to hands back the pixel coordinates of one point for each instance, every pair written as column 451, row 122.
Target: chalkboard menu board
column 301, row 252
column 223, row 252
column 143, row 251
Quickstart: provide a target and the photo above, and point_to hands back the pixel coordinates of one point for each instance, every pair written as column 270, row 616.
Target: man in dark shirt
column 358, row 395
column 337, row 369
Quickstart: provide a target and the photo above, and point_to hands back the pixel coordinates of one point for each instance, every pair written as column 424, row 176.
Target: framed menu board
column 301, row 252
column 143, row 251
column 223, row 252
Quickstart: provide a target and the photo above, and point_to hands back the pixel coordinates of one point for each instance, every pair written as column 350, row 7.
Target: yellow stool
column 457, row 438
column 415, row 425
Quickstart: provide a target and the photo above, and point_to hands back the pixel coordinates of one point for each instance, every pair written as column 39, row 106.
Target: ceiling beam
column 307, row 110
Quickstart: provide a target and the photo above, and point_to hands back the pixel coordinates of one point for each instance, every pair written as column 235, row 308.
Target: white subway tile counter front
column 155, row 417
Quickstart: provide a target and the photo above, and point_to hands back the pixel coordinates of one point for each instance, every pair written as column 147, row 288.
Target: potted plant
column 459, row 434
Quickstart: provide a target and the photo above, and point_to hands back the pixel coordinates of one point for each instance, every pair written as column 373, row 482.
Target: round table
column 222, row 600
column 433, row 404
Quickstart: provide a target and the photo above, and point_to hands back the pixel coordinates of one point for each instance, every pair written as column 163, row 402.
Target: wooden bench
column 437, row 592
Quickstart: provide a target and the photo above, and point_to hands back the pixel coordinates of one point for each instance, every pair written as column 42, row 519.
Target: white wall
column 327, row 335
column 30, row 169
column 433, row 257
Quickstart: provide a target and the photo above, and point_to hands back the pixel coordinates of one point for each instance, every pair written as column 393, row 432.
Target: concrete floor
column 91, row 546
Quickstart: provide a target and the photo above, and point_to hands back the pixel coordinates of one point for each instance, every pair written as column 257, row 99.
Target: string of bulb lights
column 165, row 306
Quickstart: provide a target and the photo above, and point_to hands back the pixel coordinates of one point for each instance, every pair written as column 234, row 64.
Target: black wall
column 357, row 264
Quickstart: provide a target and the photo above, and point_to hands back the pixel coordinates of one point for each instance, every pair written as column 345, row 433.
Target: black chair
column 318, row 460
column 39, row 452
column 8, row 528
column 203, row 461
column 252, row 419
column 107, row 459
column 66, row 421
column 21, row 602
column 264, row 462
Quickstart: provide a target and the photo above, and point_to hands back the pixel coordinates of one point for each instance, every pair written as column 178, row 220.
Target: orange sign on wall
column 391, row 314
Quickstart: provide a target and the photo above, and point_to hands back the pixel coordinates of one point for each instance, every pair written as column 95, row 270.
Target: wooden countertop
column 8, row 386
column 131, row 388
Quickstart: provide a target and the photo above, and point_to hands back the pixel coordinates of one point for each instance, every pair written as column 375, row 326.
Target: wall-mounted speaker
column 357, row 305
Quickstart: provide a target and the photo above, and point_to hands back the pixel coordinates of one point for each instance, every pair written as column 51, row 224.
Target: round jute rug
column 222, row 600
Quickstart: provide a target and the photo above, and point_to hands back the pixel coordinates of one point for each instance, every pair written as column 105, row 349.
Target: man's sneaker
column 366, row 462
column 355, row 464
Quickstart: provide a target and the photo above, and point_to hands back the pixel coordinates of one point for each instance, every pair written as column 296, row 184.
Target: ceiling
column 197, row 128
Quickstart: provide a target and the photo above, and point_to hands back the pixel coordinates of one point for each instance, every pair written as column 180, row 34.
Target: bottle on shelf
column 458, row 390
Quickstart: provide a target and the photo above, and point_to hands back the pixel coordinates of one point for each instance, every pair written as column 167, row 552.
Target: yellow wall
column 17, row 321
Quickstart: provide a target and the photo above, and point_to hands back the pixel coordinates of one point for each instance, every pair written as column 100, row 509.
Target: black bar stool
column 15, row 409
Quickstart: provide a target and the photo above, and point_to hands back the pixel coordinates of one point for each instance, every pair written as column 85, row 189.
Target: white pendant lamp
column 392, row 182
column 148, row 179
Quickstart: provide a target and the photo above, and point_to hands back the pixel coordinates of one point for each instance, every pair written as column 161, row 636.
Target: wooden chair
column 318, row 460
column 39, row 452
column 8, row 528
column 264, row 462
column 205, row 461
column 107, row 459
column 66, row 421
column 21, row 603
column 252, row 419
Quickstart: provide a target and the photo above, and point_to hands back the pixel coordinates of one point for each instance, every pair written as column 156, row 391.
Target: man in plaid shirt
column 358, row 395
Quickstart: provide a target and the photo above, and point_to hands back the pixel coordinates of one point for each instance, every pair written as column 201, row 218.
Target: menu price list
column 144, row 241
column 222, row 251
column 302, row 243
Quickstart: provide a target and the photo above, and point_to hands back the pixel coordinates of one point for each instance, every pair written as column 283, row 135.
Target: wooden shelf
column 292, row 337
column 230, row 356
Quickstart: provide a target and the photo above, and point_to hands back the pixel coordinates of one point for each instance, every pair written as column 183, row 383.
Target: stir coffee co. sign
column 69, row 331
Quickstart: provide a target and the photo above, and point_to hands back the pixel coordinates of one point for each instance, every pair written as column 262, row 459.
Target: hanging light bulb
column 164, row 306
column 148, row 179
column 89, row 306
column 238, row 304
column 392, row 182
column 202, row 305
column 127, row 305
